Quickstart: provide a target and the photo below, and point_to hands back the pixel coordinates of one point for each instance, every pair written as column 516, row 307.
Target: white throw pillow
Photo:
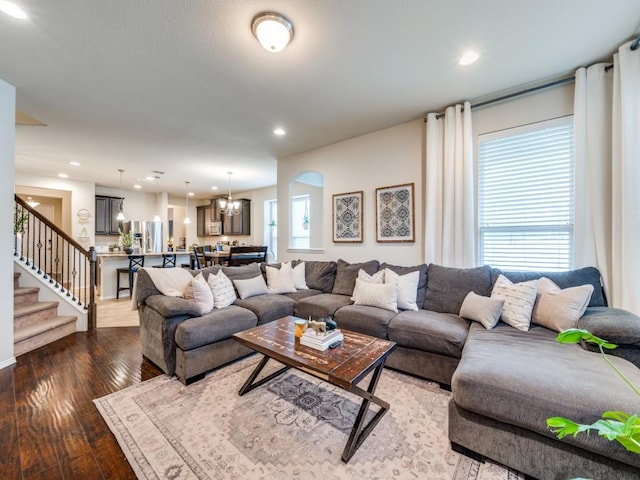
column 485, row 310
column 299, row 279
column 280, row 280
column 407, row 287
column 199, row 291
column 519, row 299
column 223, row 292
column 381, row 295
column 559, row 309
column 251, row 287
column 377, row 278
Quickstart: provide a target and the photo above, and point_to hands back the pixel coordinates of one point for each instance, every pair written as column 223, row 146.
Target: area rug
column 294, row 427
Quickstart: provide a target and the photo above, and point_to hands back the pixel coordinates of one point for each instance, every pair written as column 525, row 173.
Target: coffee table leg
column 360, row 431
column 249, row 385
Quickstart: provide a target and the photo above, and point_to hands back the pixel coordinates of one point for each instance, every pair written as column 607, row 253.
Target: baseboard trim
column 7, row 363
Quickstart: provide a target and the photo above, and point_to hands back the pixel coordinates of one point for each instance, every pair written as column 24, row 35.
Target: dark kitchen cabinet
column 203, row 217
column 238, row 224
column 106, row 212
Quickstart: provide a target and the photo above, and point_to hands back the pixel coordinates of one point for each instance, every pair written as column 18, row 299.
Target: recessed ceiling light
column 279, row 131
column 149, row 179
column 63, row 175
column 191, row 194
column 12, row 9
column 214, row 188
column 137, row 186
column 469, row 57
column 74, row 164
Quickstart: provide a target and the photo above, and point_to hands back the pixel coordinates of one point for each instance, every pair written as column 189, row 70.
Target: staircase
column 36, row 323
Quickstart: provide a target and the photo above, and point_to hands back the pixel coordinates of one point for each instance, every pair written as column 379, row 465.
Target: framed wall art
column 347, row 217
column 395, row 213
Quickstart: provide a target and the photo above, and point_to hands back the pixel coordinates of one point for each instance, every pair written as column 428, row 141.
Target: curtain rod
column 526, row 91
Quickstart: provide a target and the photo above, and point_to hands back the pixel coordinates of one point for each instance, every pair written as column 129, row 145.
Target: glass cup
column 301, row 326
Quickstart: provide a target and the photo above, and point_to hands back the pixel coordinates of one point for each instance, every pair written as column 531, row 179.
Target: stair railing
column 54, row 255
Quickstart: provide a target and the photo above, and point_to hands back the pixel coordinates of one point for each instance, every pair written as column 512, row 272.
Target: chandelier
column 228, row 206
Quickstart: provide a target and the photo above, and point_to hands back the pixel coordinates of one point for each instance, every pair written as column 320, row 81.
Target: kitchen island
column 108, row 263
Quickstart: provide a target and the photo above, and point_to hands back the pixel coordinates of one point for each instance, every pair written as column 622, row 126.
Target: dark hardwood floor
column 49, row 427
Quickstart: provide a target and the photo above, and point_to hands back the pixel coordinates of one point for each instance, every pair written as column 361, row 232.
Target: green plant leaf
column 575, row 335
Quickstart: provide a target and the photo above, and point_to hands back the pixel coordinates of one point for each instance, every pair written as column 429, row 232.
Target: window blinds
column 525, row 197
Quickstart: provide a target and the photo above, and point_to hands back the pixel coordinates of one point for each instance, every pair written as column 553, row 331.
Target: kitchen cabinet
column 106, row 212
column 203, row 220
column 238, row 224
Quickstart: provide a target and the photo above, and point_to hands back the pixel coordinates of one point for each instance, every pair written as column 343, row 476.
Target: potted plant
column 614, row 426
column 126, row 239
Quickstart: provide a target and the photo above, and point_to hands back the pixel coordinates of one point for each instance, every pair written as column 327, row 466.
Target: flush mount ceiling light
column 273, row 31
column 279, row 131
column 468, row 57
column 32, row 203
column 12, row 9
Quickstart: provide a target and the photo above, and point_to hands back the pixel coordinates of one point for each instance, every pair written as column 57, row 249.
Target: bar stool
column 136, row 262
column 168, row 261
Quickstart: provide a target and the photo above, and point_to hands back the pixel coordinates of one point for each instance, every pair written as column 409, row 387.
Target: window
column 271, row 227
column 525, row 197
column 300, row 221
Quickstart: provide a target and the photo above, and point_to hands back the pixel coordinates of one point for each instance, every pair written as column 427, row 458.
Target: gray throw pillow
column 347, row 273
column 447, row 287
column 485, row 310
column 243, row 272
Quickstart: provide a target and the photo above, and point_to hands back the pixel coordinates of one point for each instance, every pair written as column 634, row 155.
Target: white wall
column 82, row 197
column 7, row 152
column 388, row 157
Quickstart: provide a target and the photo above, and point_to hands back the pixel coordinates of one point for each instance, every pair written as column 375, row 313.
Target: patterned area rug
column 294, row 427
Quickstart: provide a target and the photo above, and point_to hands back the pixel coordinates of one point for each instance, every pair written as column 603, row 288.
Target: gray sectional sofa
column 504, row 382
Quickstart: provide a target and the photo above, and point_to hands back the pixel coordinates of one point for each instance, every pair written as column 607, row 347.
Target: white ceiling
column 183, row 87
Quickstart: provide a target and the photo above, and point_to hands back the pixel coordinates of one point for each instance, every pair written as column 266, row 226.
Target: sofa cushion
column 523, row 378
column 571, row 278
column 617, row 326
column 206, row 271
column 441, row 333
column 447, row 287
column 242, row 272
column 172, row 306
column 319, row 275
column 320, row 305
column 214, row 327
column 346, row 274
column 300, row 294
column 422, row 280
column 268, row 307
column 364, row 319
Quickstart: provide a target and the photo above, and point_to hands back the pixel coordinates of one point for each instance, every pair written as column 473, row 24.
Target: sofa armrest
column 172, row 306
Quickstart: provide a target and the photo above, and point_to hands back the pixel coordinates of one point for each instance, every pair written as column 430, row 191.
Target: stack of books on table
column 321, row 342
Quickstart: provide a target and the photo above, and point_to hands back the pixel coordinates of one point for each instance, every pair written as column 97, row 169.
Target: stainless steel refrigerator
column 147, row 235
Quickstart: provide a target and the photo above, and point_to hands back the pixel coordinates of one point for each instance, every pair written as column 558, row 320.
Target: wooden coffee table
column 344, row 366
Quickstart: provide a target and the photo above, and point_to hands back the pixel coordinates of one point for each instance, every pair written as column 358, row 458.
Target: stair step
column 25, row 295
column 16, row 280
column 33, row 336
column 25, row 315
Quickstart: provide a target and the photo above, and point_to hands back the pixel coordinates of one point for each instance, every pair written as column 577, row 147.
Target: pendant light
column 157, row 217
column 187, row 220
column 120, row 216
column 227, row 206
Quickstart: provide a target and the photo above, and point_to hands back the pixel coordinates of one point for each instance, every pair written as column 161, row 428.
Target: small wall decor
column 395, row 214
column 347, row 217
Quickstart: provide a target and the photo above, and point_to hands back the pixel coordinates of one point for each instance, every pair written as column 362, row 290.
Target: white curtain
column 450, row 211
column 607, row 131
